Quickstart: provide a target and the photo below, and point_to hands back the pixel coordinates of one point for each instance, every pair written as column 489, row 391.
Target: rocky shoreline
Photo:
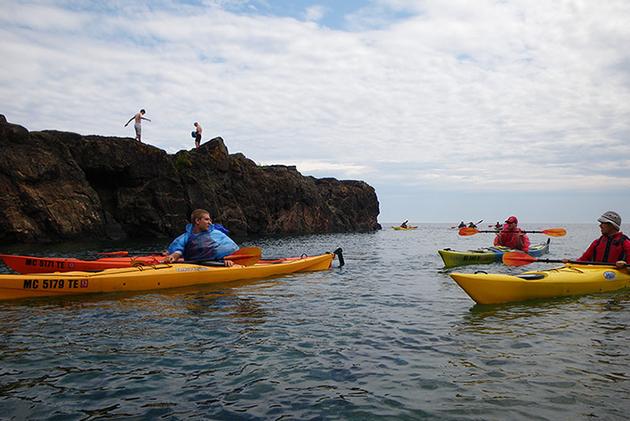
column 57, row 186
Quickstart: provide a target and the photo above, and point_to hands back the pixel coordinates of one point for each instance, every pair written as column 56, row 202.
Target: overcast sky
column 450, row 109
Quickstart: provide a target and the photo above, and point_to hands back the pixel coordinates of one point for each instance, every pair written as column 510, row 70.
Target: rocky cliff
column 58, row 186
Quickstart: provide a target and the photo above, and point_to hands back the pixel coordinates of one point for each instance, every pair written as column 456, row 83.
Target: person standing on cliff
column 197, row 132
column 138, row 123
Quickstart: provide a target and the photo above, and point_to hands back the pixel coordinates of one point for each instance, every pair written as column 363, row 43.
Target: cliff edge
column 60, row 186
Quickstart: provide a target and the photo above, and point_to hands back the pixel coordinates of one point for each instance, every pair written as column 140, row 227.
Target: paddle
column 245, row 256
column 515, row 258
column 552, row 232
column 122, row 253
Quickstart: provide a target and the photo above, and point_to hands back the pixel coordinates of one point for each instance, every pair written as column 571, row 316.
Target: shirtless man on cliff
column 198, row 131
column 138, row 123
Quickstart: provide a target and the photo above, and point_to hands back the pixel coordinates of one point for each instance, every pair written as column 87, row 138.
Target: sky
column 451, row 109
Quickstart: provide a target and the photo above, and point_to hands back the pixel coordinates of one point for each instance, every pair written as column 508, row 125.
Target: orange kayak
column 32, row 264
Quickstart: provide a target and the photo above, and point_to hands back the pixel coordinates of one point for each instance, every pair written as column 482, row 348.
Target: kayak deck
column 453, row 258
column 144, row 278
column 568, row 280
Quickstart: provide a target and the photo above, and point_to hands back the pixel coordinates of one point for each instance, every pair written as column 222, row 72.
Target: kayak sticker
column 53, row 264
column 199, row 269
column 609, row 276
column 55, row 283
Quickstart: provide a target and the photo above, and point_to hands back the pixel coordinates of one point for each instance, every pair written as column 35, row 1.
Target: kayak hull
column 144, row 278
column 453, row 258
column 32, row 264
column 568, row 280
column 405, row 229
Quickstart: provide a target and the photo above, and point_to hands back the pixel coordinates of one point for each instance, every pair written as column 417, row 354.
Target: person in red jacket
column 613, row 246
column 511, row 236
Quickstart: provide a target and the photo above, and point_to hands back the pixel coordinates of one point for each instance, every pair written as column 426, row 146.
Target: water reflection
column 386, row 337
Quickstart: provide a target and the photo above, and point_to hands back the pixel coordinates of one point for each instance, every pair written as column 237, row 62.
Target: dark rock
column 58, row 186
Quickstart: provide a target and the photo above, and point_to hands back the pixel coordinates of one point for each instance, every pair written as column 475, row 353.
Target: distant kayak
column 145, row 278
column 405, row 228
column 568, row 280
column 453, row 258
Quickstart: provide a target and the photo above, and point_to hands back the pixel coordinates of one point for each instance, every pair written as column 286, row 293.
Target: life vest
column 608, row 249
column 212, row 244
column 514, row 239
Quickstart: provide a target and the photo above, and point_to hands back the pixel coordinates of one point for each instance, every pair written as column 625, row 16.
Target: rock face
column 59, row 186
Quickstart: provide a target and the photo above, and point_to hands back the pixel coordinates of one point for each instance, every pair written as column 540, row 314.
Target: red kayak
column 31, row 264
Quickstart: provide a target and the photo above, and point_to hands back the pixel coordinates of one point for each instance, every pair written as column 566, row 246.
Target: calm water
column 390, row 335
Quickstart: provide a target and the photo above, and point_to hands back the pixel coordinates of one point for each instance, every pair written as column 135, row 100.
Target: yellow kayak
column 405, row 228
column 144, row 278
column 571, row 279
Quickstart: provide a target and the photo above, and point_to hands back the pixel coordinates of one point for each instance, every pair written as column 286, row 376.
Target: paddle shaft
column 525, row 232
column 575, row 262
column 521, row 259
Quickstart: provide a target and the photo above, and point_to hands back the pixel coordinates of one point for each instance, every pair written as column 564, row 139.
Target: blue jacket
column 212, row 244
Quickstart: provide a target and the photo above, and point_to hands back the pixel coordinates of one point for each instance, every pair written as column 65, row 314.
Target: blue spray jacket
column 206, row 245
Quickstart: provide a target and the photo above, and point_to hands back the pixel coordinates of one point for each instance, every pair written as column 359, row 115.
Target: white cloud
column 458, row 94
column 314, row 13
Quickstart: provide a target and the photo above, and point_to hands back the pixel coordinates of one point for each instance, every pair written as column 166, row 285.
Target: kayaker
column 461, row 225
column 511, row 236
column 613, row 246
column 201, row 241
column 404, row 224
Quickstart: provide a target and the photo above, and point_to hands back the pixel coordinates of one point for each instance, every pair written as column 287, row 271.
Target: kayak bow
column 568, row 280
column 494, row 254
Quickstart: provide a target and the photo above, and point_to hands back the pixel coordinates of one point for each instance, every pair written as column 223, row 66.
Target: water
column 390, row 335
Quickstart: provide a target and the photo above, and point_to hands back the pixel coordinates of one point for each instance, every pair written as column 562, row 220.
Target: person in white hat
column 613, row 246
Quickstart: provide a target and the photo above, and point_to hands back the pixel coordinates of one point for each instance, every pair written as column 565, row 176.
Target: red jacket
column 514, row 239
column 608, row 249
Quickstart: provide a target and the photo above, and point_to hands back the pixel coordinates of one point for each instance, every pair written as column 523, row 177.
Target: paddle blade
column 245, row 256
column 515, row 258
column 555, row 232
column 466, row 231
column 114, row 253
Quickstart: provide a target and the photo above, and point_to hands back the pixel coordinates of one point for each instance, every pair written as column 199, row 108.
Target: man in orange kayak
column 511, row 236
column 201, row 241
column 613, row 246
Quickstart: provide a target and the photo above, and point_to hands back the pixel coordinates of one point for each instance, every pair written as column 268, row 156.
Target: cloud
column 314, row 13
column 434, row 95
